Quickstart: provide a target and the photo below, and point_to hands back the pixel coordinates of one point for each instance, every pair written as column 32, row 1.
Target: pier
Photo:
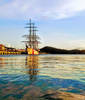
column 9, row 51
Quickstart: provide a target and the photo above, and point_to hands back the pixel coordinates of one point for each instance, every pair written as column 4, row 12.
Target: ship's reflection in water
column 28, row 77
column 32, row 65
column 18, row 76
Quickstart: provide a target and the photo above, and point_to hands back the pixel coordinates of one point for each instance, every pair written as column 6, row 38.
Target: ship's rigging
column 32, row 39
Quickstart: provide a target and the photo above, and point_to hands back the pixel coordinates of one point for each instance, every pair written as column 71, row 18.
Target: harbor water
column 23, row 77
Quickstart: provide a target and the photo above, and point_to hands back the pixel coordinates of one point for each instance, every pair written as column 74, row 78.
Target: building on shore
column 9, row 50
column 2, row 47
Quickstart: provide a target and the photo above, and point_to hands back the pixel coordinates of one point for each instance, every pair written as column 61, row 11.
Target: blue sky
column 61, row 23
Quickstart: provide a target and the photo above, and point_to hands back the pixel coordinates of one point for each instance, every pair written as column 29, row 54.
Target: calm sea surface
column 22, row 76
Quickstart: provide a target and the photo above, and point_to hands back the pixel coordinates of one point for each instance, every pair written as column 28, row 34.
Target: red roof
column 1, row 45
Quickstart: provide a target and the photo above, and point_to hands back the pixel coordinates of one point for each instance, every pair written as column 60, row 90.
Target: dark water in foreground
column 21, row 76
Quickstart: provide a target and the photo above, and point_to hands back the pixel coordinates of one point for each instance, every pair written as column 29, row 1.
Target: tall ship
column 32, row 39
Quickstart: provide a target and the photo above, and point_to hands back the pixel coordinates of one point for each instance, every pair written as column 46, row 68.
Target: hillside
column 52, row 50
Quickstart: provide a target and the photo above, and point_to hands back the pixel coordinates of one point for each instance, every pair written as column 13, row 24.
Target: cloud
column 54, row 9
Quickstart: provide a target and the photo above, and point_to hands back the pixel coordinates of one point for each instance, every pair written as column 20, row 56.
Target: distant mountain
column 52, row 50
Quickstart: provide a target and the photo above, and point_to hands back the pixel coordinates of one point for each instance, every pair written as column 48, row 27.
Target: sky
column 61, row 23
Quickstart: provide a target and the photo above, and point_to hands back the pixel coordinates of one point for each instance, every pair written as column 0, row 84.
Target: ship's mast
column 32, row 38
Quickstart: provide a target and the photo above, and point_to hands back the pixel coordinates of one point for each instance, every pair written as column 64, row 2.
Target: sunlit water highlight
column 20, row 74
